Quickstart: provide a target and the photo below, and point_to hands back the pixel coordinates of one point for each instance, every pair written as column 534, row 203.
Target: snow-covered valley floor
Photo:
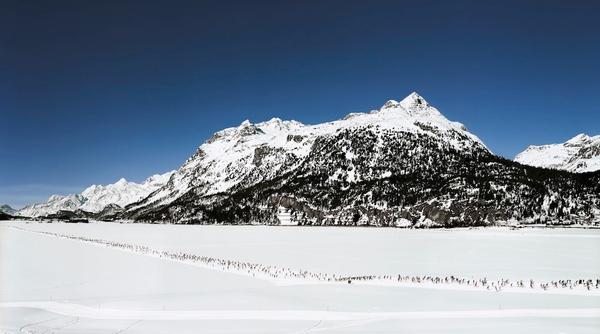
column 78, row 278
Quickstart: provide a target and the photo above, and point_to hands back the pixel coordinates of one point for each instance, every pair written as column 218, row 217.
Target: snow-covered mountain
column 404, row 164
column 54, row 204
column 7, row 209
column 251, row 153
column 579, row 154
column 96, row 197
column 121, row 193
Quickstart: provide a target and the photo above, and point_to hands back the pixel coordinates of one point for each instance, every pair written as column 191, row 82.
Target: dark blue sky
column 95, row 91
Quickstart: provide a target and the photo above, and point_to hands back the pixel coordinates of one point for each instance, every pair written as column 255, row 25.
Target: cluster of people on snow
column 496, row 285
column 280, row 273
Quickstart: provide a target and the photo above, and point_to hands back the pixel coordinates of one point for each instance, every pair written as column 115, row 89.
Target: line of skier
column 281, row 273
column 485, row 283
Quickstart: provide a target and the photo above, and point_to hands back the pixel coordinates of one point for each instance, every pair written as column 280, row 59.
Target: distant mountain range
column 7, row 209
column 579, row 154
column 96, row 198
column 404, row 164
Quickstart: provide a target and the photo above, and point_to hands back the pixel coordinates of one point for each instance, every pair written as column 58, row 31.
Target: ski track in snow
column 82, row 311
column 287, row 276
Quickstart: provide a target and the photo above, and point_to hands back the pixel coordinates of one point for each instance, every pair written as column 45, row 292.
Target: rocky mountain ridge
column 96, row 198
column 578, row 154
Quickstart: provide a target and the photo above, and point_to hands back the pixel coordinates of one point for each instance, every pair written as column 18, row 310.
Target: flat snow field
column 61, row 278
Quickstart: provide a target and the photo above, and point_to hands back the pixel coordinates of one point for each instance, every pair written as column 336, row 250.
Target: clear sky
column 91, row 91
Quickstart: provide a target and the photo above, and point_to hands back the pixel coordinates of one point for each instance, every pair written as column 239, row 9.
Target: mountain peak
column 414, row 101
column 158, row 178
column 390, row 104
column 55, row 197
column 578, row 139
column 122, row 181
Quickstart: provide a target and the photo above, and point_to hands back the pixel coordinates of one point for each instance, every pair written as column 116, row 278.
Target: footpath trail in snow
column 81, row 311
column 285, row 276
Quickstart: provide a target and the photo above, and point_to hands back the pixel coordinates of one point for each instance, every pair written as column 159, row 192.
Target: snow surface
column 579, row 154
column 67, row 286
column 491, row 252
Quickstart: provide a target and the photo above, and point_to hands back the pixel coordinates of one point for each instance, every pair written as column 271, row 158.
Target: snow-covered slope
column 97, row 197
column 250, row 153
column 54, row 204
column 7, row 209
column 579, row 154
column 121, row 193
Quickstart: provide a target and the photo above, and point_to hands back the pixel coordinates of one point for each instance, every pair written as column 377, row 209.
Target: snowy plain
column 50, row 284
